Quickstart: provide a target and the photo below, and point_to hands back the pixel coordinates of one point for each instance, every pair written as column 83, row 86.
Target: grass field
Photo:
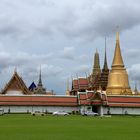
column 27, row 127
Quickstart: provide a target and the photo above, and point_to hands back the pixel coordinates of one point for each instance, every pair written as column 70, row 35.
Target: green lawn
column 27, row 127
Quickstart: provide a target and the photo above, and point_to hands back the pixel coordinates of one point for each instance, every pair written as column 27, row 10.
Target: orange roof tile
column 38, row 100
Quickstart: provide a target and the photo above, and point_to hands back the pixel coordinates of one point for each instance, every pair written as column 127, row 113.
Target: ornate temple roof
column 104, row 73
column 91, row 98
column 96, row 66
column 80, row 84
column 16, row 84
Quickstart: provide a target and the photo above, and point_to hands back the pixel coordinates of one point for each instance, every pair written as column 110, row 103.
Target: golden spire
column 67, row 90
column 117, row 61
column 96, row 66
column 68, row 84
column 118, row 78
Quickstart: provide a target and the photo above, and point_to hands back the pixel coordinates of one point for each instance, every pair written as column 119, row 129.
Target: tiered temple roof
column 96, row 80
column 96, row 72
column 104, row 73
column 16, row 84
column 80, row 84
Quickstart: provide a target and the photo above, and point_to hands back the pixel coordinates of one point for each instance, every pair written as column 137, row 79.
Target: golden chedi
column 118, row 83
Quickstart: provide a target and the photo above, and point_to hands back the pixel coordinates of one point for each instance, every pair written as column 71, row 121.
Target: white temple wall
column 121, row 110
column 28, row 109
column 102, row 110
column 84, row 109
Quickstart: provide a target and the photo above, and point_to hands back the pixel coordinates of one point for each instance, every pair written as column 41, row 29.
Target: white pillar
column 101, row 111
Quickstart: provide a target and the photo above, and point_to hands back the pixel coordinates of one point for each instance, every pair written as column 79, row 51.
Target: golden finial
column 117, row 36
column 67, row 89
column 68, row 84
column 117, row 33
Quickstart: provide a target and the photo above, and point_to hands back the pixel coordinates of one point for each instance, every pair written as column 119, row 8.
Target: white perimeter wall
column 113, row 110
column 84, row 109
column 28, row 109
column 102, row 110
column 122, row 111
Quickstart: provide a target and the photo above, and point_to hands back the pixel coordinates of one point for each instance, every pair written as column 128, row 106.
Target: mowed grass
column 27, row 127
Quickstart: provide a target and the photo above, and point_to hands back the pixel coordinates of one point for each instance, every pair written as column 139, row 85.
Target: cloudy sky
column 62, row 36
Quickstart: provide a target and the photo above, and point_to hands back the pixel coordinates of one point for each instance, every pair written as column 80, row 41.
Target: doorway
column 95, row 109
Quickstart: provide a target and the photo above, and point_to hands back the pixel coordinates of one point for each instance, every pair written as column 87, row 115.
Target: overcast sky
column 62, row 36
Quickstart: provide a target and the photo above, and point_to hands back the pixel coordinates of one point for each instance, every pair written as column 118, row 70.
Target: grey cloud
column 68, row 53
column 82, row 69
column 132, row 53
column 20, row 59
column 134, row 72
column 84, row 19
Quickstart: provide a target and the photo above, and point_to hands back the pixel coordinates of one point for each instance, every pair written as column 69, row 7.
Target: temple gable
column 15, row 86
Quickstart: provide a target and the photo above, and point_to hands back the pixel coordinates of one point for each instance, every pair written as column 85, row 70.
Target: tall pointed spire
column 118, row 78
column 40, row 89
column 105, row 67
column 117, row 61
column 40, row 78
column 67, row 89
column 68, row 84
column 96, row 72
column 136, row 90
column 105, row 72
column 96, row 66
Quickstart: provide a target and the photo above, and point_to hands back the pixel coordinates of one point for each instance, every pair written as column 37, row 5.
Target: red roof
column 124, row 101
column 91, row 98
column 39, row 100
column 83, row 98
column 81, row 83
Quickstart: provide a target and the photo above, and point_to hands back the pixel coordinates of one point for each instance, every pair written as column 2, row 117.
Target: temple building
column 16, row 87
column 109, row 94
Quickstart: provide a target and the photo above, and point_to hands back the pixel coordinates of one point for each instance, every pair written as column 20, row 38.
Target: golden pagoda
column 118, row 83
